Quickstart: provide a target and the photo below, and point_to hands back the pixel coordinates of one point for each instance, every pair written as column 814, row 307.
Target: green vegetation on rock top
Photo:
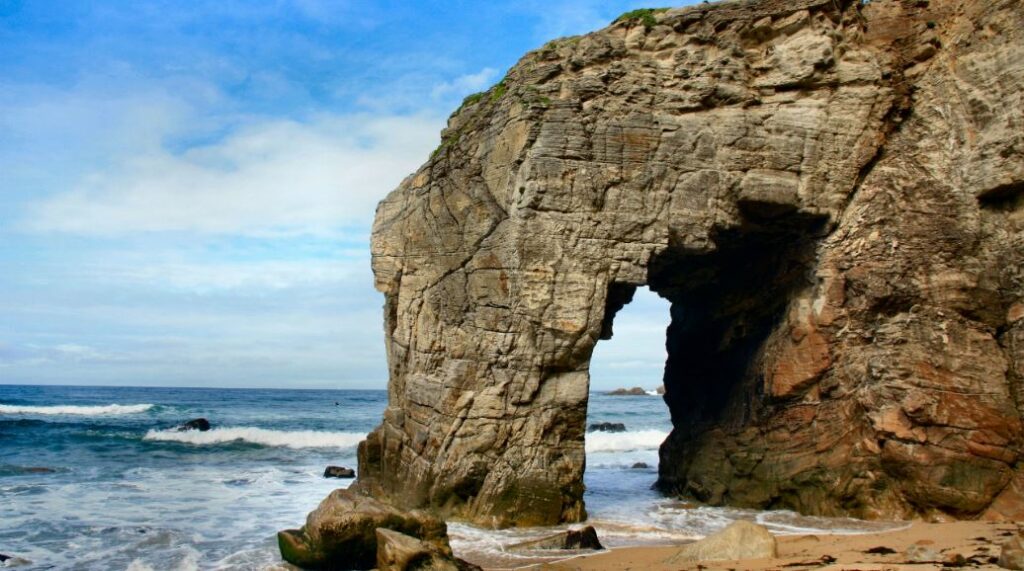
column 643, row 15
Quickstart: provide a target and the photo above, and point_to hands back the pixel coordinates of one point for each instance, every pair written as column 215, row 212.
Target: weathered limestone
column 831, row 196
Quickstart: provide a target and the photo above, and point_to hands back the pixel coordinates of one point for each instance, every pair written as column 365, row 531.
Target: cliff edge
column 831, row 196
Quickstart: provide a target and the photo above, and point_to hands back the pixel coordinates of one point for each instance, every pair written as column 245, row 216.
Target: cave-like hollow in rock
column 724, row 306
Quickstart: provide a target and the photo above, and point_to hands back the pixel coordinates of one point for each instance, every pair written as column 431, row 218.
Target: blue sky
column 187, row 187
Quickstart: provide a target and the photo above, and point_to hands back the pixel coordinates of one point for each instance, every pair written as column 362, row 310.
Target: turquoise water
column 96, row 478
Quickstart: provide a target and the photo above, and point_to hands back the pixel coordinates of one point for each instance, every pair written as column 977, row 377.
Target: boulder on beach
column 607, row 427
column 400, row 552
column 740, row 540
column 341, row 532
column 633, row 392
column 200, row 424
column 339, row 472
column 584, row 538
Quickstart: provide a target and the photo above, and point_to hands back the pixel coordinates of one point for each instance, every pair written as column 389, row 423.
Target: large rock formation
column 829, row 194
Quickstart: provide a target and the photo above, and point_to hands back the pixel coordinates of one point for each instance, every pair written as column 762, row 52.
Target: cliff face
column 830, row 194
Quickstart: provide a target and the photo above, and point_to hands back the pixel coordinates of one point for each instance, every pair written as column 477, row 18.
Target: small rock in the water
column 607, row 427
column 660, row 390
column 1011, row 554
column 740, row 540
column 635, row 391
column 339, row 472
column 200, row 424
column 640, row 466
column 585, row 538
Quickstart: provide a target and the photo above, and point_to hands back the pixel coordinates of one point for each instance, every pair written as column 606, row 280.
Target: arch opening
column 625, row 431
column 723, row 306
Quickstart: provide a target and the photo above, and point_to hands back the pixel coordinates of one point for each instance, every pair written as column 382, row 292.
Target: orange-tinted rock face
column 830, row 194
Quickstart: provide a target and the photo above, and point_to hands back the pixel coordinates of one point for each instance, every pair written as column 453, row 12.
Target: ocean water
column 97, row 478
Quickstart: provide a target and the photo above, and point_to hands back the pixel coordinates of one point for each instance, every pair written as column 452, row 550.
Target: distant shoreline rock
column 633, row 392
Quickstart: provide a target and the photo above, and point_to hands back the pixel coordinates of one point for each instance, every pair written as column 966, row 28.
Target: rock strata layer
column 831, row 196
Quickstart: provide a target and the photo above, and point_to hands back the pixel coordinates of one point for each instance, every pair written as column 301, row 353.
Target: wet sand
column 977, row 542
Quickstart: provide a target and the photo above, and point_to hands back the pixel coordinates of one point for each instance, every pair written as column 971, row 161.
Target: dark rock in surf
column 12, row 561
column 339, row 472
column 607, row 427
column 640, row 466
column 585, row 538
column 200, row 424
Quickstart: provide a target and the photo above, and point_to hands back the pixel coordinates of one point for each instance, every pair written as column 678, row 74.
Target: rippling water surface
column 96, row 478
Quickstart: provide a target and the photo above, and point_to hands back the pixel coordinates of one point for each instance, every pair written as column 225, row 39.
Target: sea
column 99, row 478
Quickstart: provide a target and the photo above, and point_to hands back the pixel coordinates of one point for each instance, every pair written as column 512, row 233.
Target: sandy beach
column 976, row 541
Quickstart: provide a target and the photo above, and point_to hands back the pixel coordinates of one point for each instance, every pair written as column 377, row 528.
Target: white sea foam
column 625, row 441
column 76, row 409
column 289, row 439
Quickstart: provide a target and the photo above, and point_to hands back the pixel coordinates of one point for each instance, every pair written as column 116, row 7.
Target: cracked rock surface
column 831, row 196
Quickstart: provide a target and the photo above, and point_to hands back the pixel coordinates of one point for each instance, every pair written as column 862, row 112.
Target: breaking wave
column 261, row 436
column 76, row 409
column 625, row 441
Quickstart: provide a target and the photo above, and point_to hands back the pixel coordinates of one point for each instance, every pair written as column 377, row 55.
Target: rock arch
column 828, row 193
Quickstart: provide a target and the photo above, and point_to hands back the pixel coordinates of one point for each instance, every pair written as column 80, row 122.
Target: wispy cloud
column 465, row 84
column 266, row 178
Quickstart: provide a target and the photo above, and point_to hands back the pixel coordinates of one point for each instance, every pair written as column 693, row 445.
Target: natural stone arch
column 762, row 165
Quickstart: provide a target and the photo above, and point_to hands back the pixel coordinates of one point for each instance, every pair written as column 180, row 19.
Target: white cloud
column 267, row 178
column 465, row 84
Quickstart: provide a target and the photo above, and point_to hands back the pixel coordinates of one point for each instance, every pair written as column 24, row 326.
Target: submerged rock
column 399, row 552
column 9, row 561
column 200, row 424
column 607, row 427
column 828, row 193
column 584, row 538
column 739, row 540
column 341, row 532
column 339, row 472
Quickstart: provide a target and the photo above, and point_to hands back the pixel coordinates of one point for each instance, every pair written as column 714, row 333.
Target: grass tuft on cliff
column 645, row 16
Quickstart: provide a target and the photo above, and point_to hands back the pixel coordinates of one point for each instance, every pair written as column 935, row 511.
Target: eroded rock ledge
column 829, row 194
